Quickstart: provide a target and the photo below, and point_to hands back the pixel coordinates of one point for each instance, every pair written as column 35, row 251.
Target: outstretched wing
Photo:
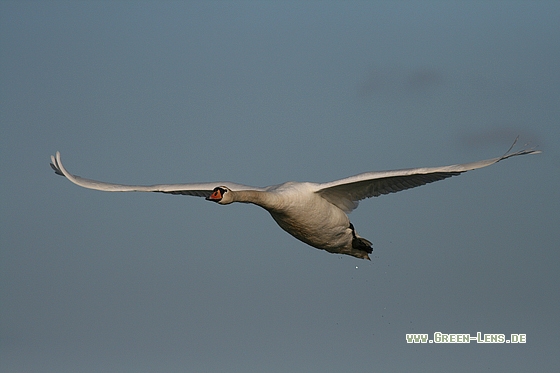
column 346, row 193
column 198, row 189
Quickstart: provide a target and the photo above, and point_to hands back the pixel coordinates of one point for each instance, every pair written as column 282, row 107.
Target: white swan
column 313, row 213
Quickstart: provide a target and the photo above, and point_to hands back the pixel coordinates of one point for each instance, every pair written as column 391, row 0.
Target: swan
column 314, row 213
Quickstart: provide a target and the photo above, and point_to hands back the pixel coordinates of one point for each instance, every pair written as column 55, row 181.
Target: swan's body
column 313, row 213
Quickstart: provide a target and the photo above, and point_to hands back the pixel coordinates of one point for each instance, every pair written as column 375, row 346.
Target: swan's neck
column 266, row 200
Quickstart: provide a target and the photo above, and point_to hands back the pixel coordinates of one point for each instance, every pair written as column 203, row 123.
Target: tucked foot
column 360, row 243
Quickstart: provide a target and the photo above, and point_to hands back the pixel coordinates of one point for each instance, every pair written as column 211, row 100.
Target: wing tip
column 520, row 152
column 55, row 164
column 526, row 151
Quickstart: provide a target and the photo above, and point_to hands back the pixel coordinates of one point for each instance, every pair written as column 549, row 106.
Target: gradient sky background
column 261, row 93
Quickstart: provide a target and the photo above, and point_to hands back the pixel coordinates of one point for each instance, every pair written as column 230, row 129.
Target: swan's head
column 221, row 195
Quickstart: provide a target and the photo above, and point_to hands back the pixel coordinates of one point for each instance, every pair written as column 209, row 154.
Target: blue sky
column 260, row 93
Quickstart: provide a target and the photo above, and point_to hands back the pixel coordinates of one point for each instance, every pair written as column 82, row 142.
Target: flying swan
column 313, row 213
